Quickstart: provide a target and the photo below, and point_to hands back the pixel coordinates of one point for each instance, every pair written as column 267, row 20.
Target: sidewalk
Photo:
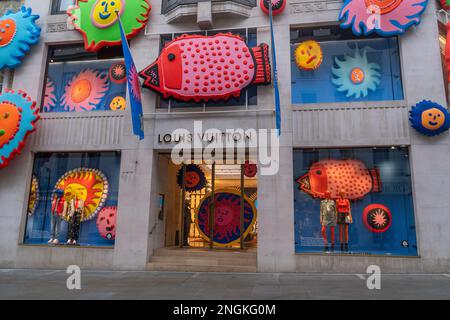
column 51, row 284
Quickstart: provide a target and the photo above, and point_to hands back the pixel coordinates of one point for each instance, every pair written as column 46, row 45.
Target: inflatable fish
column 204, row 68
column 337, row 175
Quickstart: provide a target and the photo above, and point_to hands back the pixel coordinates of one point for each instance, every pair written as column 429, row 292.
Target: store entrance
column 198, row 194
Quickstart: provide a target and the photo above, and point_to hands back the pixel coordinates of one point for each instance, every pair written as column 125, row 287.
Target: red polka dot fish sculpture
column 204, row 68
column 335, row 175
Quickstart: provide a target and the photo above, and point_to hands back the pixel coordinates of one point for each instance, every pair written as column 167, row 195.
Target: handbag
column 348, row 218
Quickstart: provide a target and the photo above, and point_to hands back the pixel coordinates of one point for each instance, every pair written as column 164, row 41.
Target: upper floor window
column 13, row 5
column 336, row 66
column 79, row 81
column 168, row 5
column 61, row 6
column 248, row 97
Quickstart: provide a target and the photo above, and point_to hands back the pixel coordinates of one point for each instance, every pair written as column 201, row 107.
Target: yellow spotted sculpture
column 308, row 55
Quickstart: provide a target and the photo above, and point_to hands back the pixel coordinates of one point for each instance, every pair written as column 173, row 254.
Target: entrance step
column 203, row 260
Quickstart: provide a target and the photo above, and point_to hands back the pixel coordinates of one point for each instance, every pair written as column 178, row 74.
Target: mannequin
column 75, row 214
column 59, row 208
column 344, row 219
column 328, row 217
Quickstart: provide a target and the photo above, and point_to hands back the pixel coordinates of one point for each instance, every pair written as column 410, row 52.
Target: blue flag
column 134, row 87
column 275, row 74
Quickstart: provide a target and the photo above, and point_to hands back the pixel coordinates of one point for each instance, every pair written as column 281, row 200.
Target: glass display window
column 227, row 184
column 73, row 199
column 80, row 81
column 356, row 201
column 329, row 64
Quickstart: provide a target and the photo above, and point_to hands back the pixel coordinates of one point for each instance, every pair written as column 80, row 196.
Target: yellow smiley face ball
column 118, row 103
column 308, row 55
column 104, row 13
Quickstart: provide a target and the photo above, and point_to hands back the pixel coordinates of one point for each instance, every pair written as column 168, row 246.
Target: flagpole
column 134, row 93
column 275, row 73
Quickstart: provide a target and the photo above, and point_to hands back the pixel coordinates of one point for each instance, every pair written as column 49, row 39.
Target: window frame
column 56, row 5
column 204, row 106
column 389, row 103
column 414, row 245
column 48, row 60
column 166, row 8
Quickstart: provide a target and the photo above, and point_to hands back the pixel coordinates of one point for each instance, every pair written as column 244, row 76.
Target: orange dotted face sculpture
column 383, row 6
column 9, row 122
column 357, row 75
column 81, row 90
column 7, row 31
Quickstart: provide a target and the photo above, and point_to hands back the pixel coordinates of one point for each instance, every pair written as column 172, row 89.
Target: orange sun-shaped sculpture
column 88, row 185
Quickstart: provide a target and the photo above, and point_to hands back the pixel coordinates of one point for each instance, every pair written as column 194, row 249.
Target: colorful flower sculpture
column 308, row 55
column 18, row 32
column 429, row 118
column 195, row 178
column 106, row 223
column 88, row 185
column 227, row 214
column 85, row 91
column 356, row 75
column 98, row 22
column 445, row 4
column 33, row 199
column 385, row 17
column 50, row 96
column 118, row 73
column 335, row 175
column 18, row 116
column 377, row 218
column 204, row 68
column 278, row 6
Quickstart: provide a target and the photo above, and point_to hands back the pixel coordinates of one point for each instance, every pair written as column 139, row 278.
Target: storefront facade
column 399, row 209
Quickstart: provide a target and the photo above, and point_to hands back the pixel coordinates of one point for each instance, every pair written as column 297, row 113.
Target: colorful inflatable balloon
column 356, row 75
column 98, row 22
column 18, row 117
column 278, row 6
column 377, row 218
column 429, row 118
column 308, row 55
column 204, row 68
column 106, row 223
column 227, row 216
column 85, row 91
column 88, row 185
column 385, row 17
column 18, row 32
column 195, row 178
